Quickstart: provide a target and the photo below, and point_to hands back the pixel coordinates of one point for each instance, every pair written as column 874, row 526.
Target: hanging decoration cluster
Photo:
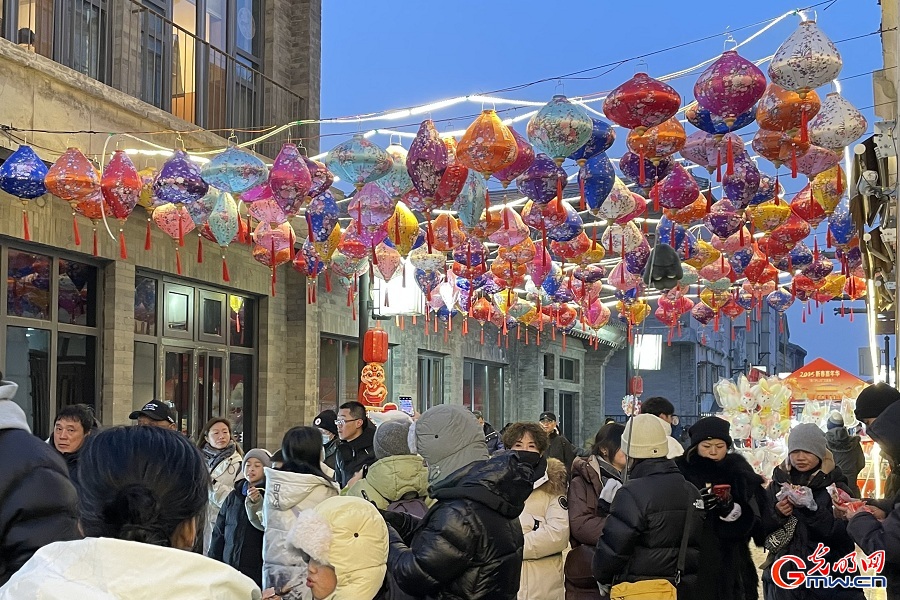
column 537, row 267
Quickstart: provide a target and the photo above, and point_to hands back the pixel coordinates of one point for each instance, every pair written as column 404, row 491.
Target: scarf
column 214, row 457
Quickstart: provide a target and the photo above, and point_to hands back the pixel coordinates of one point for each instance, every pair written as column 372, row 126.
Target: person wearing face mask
column 469, row 544
column 144, row 494
column 595, row 481
column 325, row 421
column 545, row 519
column 223, row 459
column 795, row 529
column 732, row 493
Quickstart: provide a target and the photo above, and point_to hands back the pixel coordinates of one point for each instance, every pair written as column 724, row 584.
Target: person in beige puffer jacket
column 545, row 519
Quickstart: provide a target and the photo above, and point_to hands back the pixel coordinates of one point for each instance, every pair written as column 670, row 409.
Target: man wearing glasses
column 355, row 451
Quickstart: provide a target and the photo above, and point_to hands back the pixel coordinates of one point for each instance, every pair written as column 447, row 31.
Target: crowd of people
column 440, row 506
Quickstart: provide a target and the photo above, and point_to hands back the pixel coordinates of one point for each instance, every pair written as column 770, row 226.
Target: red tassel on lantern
column 225, row 274
column 75, row 230
column 95, row 243
column 729, row 154
column 839, row 184
column 177, row 260
column 487, row 206
column 793, row 162
column 564, row 341
column 583, row 204
column 25, row 225
column 148, row 237
column 123, row 249
column 804, row 124
column 719, row 166
column 641, row 170
column 654, row 194
column 199, row 250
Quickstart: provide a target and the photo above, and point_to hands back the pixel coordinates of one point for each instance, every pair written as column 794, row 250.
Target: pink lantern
column 290, row 179
column 730, row 86
column 176, row 222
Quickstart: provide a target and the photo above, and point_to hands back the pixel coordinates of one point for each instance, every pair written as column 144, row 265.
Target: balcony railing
column 132, row 48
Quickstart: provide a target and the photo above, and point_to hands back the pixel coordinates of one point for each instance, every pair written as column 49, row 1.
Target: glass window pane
column 184, row 56
column 240, row 394
column 36, row 26
column 28, row 285
column 27, row 364
column 143, row 383
column 178, row 388
column 329, row 353
column 76, row 370
column 350, row 387
column 178, row 311
column 549, row 401
column 209, row 383
column 240, row 318
column 495, row 394
column 479, row 386
column 248, row 26
column 437, row 381
column 145, row 306
column 77, row 293
column 211, row 316
column 467, row 384
column 215, row 23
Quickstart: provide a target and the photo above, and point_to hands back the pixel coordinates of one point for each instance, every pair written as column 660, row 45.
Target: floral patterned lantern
column 121, row 187
column 488, row 145
column 559, row 128
column 224, row 223
column 176, row 222
column 322, row 178
column 602, row 138
column 838, row 123
column 273, row 246
column 22, row 175
column 179, row 180
column 359, row 161
column 396, row 181
column 782, row 110
column 427, row 159
column 290, row 180
column 235, row 171
column 730, row 86
column 524, row 158
column 806, row 60
column 641, row 102
column 71, row 178
column 713, row 124
column 658, row 142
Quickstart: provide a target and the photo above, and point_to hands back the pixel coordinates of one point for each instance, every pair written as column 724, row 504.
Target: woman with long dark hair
column 223, row 460
column 144, row 493
column 602, row 470
column 299, row 485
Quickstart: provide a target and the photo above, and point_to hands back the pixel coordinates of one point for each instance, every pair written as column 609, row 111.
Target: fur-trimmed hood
column 350, row 535
column 555, row 481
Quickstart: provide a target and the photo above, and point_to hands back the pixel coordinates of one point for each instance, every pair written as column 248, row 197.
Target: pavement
column 759, row 555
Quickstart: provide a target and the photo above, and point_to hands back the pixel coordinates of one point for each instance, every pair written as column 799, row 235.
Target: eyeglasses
column 340, row 422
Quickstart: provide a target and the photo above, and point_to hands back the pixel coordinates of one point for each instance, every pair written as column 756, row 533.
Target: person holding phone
column 732, row 493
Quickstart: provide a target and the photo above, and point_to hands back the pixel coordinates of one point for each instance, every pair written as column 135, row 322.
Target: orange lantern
column 779, row 148
column 658, row 142
column 782, row 110
column 375, row 346
column 488, row 145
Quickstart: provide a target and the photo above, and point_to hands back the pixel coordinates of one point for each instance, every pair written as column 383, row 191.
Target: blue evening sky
column 386, row 55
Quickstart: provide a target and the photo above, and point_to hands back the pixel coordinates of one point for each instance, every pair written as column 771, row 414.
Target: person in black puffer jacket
column 727, row 571
column 469, row 545
column 355, row 450
column 642, row 536
column 235, row 541
column 39, row 504
column 809, row 464
column 846, row 449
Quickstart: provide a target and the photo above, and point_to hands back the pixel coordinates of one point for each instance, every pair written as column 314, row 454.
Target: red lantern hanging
column 375, row 346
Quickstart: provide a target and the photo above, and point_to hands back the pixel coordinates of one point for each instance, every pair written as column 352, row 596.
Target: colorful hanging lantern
column 290, row 180
column 641, row 102
column 179, row 180
column 224, row 222
column 359, row 161
column 559, row 128
column 375, row 346
column 713, row 124
column 838, row 123
column 597, row 177
column 235, row 171
column 779, row 148
column 817, row 159
column 322, row 178
column 427, row 159
column 677, row 189
column 321, row 216
column 121, row 187
column 541, row 181
column 828, row 187
column 176, row 222
column 72, row 176
column 273, row 247
column 403, row 229
column 806, row 60
column 658, row 142
column 488, row 145
column 644, row 171
column 730, row 86
column 22, row 175
column 396, row 181
column 742, row 183
column 782, row 110
column 602, row 138
column 524, row 158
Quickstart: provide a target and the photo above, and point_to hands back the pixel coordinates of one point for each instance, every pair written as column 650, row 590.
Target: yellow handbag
column 656, row 589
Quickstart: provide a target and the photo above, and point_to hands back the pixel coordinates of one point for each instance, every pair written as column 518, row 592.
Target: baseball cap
column 547, row 416
column 155, row 410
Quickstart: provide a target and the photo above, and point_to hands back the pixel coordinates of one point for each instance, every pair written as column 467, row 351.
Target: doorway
column 194, row 384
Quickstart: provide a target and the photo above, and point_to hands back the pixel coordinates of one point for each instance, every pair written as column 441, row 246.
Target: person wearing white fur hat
column 344, row 540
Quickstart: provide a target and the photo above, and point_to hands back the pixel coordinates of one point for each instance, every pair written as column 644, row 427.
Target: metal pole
column 363, row 315
column 629, row 366
column 887, row 360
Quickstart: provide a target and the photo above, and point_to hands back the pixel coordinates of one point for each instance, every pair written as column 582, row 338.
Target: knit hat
column 261, row 454
column 809, row 438
column 326, row 420
column 835, row 420
column 645, row 437
column 710, row 428
column 872, row 401
column 391, row 439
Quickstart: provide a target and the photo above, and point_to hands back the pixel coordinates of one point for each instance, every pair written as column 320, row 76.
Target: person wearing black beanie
column 728, row 486
column 872, row 401
column 326, row 422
